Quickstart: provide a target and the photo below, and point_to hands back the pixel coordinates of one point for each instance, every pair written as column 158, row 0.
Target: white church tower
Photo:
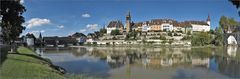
column 208, row 20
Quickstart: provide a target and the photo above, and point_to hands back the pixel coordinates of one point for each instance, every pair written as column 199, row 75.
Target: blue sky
column 64, row 17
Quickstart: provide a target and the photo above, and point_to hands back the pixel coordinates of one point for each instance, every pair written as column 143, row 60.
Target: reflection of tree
column 201, row 52
column 228, row 66
column 79, row 51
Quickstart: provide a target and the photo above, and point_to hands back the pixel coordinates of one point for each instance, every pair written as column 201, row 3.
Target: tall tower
column 208, row 20
column 128, row 22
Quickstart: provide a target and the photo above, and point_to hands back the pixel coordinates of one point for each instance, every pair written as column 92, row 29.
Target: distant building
column 198, row 26
column 59, row 41
column 113, row 25
column 162, row 24
column 39, row 41
column 128, row 23
column 80, row 37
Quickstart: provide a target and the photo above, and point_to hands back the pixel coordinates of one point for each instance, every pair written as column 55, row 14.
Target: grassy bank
column 27, row 65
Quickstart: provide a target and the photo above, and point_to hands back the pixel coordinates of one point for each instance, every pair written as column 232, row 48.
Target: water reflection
column 180, row 63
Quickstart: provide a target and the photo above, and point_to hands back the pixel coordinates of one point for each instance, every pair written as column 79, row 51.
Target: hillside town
column 154, row 31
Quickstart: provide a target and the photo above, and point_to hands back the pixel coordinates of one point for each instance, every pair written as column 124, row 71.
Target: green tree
column 218, row 40
column 201, row 39
column 115, row 32
column 227, row 24
column 12, row 19
column 132, row 34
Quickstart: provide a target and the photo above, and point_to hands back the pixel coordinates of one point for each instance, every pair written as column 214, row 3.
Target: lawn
column 27, row 65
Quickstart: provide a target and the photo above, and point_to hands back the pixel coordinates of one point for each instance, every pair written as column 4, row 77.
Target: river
column 147, row 63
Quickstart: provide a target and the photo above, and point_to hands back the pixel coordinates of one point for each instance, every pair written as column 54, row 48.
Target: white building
column 113, row 25
column 146, row 28
column 198, row 26
column 166, row 27
column 109, row 29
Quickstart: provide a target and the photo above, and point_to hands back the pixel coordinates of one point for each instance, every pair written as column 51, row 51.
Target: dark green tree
column 115, row 32
column 12, row 19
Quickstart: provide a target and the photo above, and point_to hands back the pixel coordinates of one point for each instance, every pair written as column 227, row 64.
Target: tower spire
column 208, row 19
column 40, row 35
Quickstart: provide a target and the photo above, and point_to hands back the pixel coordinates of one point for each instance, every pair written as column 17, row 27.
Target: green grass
column 27, row 65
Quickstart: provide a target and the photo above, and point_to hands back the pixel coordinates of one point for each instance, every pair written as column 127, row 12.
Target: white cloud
column 86, row 15
column 37, row 22
column 83, row 30
column 21, row 1
column 37, row 31
column 61, row 26
column 92, row 26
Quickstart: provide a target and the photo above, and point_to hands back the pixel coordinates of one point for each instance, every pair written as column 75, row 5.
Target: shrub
column 162, row 37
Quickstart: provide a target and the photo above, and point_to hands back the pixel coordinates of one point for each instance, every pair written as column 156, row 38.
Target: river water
column 147, row 63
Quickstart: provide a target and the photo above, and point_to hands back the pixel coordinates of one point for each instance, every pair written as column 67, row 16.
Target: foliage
column 115, row 32
column 132, row 34
column 162, row 37
column 103, row 31
column 164, row 41
column 188, row 32
column 201, row 39
column 170, row 41
column 27, row 65
column 170, row 34
column 211, row 31
column 218, row 40
column 12, row 19
column 186, row 38
column 228, row 24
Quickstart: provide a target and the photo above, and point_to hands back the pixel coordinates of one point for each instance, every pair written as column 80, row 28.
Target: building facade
column 115, row 25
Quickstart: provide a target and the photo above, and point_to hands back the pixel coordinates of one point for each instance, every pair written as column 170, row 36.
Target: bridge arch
column 232, row 40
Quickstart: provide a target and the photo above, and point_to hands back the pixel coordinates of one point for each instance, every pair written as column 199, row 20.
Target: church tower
column 208, row 20
column 128, row 22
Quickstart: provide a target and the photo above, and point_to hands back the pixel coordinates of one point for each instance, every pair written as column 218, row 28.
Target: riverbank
column 149, row 46
column 27, row 65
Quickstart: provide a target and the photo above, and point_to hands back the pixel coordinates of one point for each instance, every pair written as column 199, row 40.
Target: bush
column 170, row 34
column 201, row 39
column 186, row 38
column 94, row 43
column 164, row 41
column 162, row 37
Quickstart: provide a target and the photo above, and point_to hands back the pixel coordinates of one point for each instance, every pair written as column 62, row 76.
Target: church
column 158, row 25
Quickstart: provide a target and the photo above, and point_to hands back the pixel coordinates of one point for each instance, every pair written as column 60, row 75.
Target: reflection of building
column 227, row 66
column 200, row 61
column 166, row 62
column 232, row 50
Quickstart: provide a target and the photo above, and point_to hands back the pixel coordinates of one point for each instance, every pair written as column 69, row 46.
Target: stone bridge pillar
column 235, row 35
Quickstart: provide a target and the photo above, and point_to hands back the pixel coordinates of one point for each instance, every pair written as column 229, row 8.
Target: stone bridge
column 231, row 38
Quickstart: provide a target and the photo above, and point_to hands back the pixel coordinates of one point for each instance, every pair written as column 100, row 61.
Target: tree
column 201, row 39
column 102, row 31
column 228, row 24
column 218, row 40
column 237, row 3
column 115, row 32
column 12, row 19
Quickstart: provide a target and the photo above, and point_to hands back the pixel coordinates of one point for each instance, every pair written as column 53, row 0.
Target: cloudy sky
column 64, row 17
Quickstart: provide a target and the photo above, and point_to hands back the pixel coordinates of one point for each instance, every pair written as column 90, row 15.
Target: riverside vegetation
column 26, row 64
